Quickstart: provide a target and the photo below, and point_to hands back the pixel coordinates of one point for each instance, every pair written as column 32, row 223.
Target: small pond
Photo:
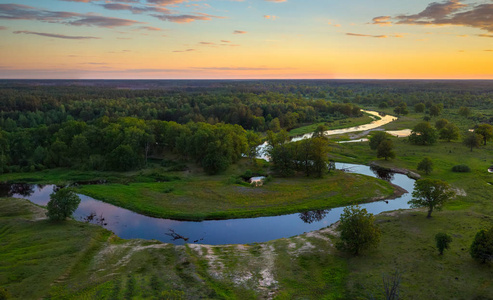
column 128, row 225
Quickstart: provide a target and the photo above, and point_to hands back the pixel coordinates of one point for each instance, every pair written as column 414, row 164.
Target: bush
column 443, row 241
column 461, row 169
column 4, row 294
column 62, row 204
column 482, row 247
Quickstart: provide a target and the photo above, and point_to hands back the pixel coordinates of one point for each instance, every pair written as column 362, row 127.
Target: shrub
column 443, row 241
column 461, row 169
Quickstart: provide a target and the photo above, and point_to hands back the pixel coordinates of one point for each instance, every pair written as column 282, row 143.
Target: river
column 129, row 225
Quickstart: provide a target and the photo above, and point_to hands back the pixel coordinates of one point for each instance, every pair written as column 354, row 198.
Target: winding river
column 129, row 225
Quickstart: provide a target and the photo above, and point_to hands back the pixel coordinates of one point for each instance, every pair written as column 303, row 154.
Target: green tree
column 386, row 149
column 425, row 165
column 319, row 155
column 377, row 138
column 62, row 204
column 472, row 140
column 431, row 193
column 486, row 131
column 443, row 241
column 441, row 123
column 123, row 158
column 423, row 134
column 449, row 132
column 253, row 140
column 482, row 246
column 4, row 294
column 358, row 230
column 464, row 111
column 435, row 110
column 419, row 107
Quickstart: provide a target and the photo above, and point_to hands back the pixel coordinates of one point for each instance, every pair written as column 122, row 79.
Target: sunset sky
column 235, row 39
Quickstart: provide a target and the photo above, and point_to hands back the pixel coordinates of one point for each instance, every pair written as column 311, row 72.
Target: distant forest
column 118, row 124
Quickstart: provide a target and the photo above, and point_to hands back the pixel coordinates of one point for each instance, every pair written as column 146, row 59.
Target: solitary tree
column 486, row 131
column 358, row 230
column 386, row 149
column 435, row 110
column 431, row 193
column 62, row 204
column 443, row 241
column 472, row 140
column 482, row 247
column 377, row 138
column 426, row 165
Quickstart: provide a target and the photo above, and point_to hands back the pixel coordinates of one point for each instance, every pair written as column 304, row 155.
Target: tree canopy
column 358, row 230
column 62, row 204
column 423, row 134
column 431, row 193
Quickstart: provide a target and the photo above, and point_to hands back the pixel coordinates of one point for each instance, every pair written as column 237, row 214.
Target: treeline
column 122, row 145
column 29, row 107
column 309, row 156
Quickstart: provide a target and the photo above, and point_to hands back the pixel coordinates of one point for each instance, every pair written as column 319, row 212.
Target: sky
column 246, row 39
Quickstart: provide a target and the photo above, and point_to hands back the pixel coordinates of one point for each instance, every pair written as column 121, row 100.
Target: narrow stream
column 129, row 225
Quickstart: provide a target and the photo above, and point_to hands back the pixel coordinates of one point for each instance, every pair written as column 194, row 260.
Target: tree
column 464, row 111
column 4, row 294
column 435, row 110
column 425, row 165
column 377, row 138
column 482, row 246
column 386, row 149
column 62, row 204
column 431, row 193
column 449, row 132
column 443, row 241
column 358, row 230
column 472, row 140
column 319, row 155
column 441, row 123
column 423, row 134
column 419, row 107
column 486, row 131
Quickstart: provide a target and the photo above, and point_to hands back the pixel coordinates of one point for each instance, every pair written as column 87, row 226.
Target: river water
column 129, row 225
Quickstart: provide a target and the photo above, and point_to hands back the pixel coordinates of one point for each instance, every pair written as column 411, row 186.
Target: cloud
column 240, row 68
column 187, row 50
column 3, row 28
column 225, row 41
column 239, row 32
column 382, row 21
column 271, row 17
column 367, row 35
column 150, row 28
column 486, row 35
column 135, row 9
column 276, row 1
column 58, row 36
column 452, row 12
column 85, row 1
column 24, row 12
column 206, row 43
column 165, row 2
column 101, row 21
column 186, row 18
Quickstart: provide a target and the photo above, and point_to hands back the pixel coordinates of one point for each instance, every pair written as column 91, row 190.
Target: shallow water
column 128, row 225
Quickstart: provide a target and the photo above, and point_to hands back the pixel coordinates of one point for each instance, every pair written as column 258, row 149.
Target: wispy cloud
column 24, row 12
column 3, row 28
column 241, row 68
column 276, row 1
column 186, row 18
column 165, row 2
column 58, row 36
column 270, row 17
column 239, row 32
column 367, row 35
column 382, row 21
column 187, row 50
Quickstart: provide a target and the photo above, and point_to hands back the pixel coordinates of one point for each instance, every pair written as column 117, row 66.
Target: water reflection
column 382, row 173
column 128, row 224
column 314, row 215
column 9, row 190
